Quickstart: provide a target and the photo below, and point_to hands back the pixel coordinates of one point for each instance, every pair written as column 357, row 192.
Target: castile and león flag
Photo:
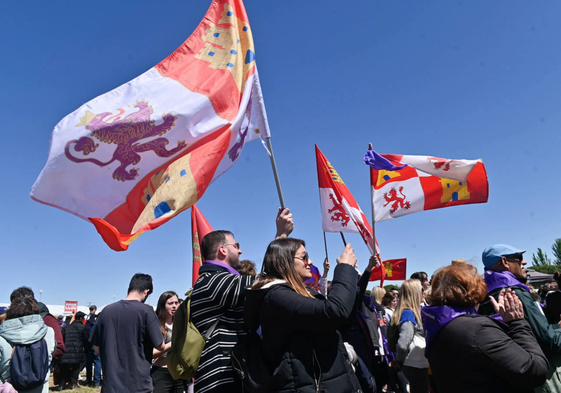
column 339, row 210
column 404, row 184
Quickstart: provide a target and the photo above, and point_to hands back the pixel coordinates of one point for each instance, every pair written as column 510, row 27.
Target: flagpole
column 372, row 203
column 325, row 243
column 275, row 173
column 343, row 237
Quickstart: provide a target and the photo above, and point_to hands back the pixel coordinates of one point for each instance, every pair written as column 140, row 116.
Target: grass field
column 81, row 389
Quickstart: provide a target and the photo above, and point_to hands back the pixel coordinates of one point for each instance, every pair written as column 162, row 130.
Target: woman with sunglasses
column 302, row 346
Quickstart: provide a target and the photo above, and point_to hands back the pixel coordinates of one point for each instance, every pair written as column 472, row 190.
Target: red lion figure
column 395, row 200
column 441, row 163
column 341, row 214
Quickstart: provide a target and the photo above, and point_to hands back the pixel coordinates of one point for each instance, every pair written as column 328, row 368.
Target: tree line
column 542, row 263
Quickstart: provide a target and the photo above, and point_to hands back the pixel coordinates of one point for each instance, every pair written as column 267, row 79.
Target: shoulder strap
column 210, row 330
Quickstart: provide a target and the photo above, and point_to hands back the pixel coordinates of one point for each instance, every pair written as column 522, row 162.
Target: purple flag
column 315, row 275
column 377, row 162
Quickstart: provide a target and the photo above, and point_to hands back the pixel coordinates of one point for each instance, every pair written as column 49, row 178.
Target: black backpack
column 29, row 365
column 248, row 362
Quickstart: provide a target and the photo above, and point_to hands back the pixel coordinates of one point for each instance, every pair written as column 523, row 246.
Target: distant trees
column 541, row 259
column 391, row 287
column 543, row 264
column 556, row 249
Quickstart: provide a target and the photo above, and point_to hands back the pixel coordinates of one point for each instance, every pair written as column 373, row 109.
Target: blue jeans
column 93, row 359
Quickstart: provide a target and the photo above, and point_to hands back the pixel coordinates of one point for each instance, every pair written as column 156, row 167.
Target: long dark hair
column 278, row 263
column 161, row 310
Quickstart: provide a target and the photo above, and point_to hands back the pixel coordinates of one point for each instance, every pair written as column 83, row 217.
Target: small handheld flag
column 392, row 269
column 339, row 210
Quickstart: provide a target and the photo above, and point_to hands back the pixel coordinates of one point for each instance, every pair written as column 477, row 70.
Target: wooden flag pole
column 325, row 243
column 275, row 173
column 372, row 203
column 343, row 237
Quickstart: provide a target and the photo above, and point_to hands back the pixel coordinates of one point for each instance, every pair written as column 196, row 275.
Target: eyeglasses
column 236, row 244
column 304, row 257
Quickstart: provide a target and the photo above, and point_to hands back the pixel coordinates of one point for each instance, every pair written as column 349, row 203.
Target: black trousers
column 418, row 379
column 69, row 373
column 163, row 382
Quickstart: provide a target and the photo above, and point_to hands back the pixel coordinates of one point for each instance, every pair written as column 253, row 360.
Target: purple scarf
column 222, row 264
column 502, row 279
column 435, row 318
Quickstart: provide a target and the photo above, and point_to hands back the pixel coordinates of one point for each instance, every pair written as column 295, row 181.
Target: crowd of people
column 457, row 331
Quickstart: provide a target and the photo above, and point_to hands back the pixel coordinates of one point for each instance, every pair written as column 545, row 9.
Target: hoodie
column 24, row 330
column 51, row 322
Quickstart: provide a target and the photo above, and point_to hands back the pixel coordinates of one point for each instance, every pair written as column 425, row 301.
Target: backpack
column 393, row 336
column 186, row 342
column 249, row 364
column 29, row 365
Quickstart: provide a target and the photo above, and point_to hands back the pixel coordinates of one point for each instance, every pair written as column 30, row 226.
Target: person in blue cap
column 505, row 268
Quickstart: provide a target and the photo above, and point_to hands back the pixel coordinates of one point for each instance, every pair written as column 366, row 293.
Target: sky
column 455, row 79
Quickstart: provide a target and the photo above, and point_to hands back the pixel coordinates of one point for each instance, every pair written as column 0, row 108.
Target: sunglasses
column 236, row 245
column 304, row 257
column 516, row 258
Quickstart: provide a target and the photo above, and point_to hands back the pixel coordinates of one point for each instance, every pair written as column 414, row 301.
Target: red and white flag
column 426, row 183
column 392, row 269
column 135, row 157
column 339, row 210
column 199, row 229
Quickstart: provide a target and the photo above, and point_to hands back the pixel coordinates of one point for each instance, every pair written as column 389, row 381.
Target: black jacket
column 218, row 294
column 477, row 354
column 553, row 307
column 76, row 341
column 302, row 346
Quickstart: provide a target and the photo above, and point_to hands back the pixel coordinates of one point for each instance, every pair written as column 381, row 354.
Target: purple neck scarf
column 502, row 279
column 435, row 318
column 222, row 264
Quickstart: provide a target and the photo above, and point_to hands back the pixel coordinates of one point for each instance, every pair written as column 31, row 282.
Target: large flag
column 339, row 210
column 392, row 269
column 426, row 183
column 199, row 229
column 135, row 157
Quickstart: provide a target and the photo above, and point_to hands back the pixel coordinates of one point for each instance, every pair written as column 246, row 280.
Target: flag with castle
column 391, row 270
column 133, row 158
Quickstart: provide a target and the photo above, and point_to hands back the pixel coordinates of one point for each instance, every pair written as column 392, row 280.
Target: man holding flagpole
column 217, row 304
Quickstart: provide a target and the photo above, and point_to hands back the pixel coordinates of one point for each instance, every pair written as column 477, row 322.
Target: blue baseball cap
column 494, row 254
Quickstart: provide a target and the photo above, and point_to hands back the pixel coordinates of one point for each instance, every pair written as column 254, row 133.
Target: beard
column 234, row 260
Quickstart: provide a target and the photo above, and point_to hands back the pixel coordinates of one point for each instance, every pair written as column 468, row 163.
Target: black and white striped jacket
column 218, row 294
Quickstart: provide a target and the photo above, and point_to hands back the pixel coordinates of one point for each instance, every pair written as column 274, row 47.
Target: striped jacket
column 218, row 294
